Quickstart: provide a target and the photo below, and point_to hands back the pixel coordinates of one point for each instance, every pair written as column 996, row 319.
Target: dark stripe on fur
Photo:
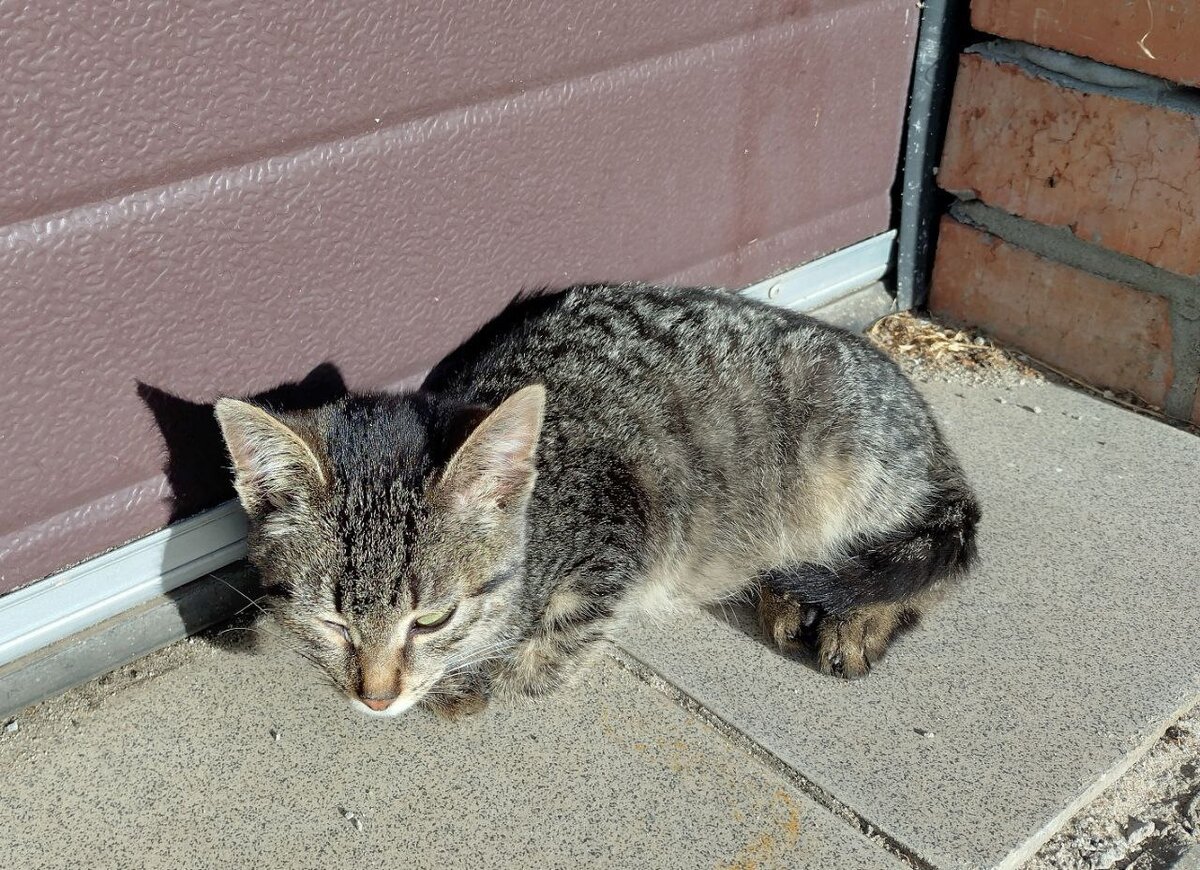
column 890, row 568
column 494, row 582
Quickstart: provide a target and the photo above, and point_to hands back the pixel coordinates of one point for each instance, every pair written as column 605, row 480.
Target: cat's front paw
column 841, row 651
column 789, row 624
column 455, row 707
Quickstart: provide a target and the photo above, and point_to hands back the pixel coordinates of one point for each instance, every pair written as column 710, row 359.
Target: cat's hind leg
column 850, row 610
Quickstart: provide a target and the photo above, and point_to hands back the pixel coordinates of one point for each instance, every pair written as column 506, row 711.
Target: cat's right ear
column 273, row 465
column 493, row 472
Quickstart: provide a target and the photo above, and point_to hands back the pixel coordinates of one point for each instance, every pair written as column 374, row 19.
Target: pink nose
column 379, row 704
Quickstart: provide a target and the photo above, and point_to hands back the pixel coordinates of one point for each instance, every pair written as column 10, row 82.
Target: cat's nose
column 378, row 704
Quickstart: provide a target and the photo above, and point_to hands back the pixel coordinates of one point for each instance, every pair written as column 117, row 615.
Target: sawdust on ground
column 919, row 343
column 925, row 348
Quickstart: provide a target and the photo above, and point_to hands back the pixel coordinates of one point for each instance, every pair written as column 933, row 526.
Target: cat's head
column 391, row 530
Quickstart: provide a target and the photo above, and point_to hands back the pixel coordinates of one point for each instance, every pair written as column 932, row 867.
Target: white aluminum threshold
column 828, row 278
column 61, row 605
column 51, row 610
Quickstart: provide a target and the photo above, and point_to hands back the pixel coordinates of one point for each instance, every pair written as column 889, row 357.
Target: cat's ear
column 273, row 465
column 495, row 468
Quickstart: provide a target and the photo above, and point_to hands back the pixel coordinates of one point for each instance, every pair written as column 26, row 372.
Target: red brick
column 1108, row 30
column 1105, row 333
column 1121, row 174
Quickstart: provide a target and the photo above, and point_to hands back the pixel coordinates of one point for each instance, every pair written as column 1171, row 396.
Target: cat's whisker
column 485, row 649
column 478, row 657
column 252, row 602
column 288, row 644
column 439, row 693
column 244, row 608
column 468, row 666
column 259, row 630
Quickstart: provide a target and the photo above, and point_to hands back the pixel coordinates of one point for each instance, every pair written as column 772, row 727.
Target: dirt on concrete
column 1147, row 820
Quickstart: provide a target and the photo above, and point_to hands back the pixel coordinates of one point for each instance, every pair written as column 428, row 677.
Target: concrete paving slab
column 184, row 770
column 1037, row 681
column 859, row 309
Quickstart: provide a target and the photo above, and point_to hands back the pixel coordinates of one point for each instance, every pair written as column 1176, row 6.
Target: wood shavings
column 937, row 347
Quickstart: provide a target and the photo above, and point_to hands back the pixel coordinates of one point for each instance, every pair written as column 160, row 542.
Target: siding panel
column 722, row 162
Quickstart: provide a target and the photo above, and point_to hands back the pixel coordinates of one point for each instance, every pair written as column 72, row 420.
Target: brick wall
column 1073, row 152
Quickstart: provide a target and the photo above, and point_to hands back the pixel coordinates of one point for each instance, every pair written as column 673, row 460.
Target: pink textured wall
column 214, row 199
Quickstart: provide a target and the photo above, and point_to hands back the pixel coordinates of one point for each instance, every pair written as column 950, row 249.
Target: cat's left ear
column 495, row 469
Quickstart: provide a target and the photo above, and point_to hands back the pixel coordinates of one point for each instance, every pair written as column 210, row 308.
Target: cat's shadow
column 742, row 616
column 197, row 472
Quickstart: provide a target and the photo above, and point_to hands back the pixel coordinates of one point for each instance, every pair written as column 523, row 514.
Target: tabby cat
column 587, row 454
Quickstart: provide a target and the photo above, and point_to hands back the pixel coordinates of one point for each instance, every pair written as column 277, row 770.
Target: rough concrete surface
column 205, row 757
column 1034, row 683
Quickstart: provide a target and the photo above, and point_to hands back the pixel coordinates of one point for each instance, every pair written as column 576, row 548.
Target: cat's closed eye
column 341, row 629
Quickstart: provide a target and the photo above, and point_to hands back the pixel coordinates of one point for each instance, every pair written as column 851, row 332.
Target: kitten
column 587, row 453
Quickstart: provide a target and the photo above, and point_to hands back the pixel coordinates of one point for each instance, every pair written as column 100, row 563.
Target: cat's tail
column 895, row 566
